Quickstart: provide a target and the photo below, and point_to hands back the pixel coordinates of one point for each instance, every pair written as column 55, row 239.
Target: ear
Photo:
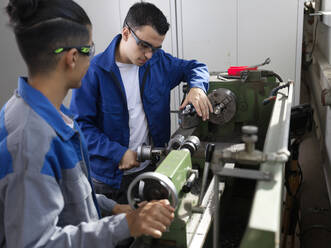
column 125, row 33
column 71, row 58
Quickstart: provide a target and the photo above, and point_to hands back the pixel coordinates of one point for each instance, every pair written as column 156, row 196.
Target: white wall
column 106, row 20
column 11, row 62
column 326, row 6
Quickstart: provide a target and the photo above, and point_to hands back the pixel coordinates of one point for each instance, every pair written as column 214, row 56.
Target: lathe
column 223, row 176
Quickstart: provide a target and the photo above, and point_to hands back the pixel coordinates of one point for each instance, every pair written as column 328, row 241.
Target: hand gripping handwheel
column 152, row 186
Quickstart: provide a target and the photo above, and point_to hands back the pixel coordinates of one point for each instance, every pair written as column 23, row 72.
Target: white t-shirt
column 137, row 118
column 67, row 120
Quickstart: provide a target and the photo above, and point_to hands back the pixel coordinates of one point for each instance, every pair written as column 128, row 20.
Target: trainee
column 125, row 98
column 46, row 197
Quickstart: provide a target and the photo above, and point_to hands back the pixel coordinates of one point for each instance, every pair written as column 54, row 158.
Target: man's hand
column 200, row 101
column 121, row 208
column 129, row 160
column 150, row 218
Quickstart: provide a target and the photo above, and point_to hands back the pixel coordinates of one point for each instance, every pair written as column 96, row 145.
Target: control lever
column 209, row 154
column 190, row 181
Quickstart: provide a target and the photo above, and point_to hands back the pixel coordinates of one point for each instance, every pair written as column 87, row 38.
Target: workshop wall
column 11, row 62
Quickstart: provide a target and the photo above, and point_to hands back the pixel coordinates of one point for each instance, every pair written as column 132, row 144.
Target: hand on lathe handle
column 200, row 101
column 151, row 218
column 129, row 160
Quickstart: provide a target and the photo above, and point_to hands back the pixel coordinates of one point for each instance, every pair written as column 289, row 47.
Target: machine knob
column 144, row 153
column 250, row 130
column 249, row 137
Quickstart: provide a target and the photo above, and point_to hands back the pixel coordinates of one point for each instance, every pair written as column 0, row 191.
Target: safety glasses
column 85, row 50
column 144, row 45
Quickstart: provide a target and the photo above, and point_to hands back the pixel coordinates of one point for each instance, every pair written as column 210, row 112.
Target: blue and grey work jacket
column 46, row 198
column 102, row 111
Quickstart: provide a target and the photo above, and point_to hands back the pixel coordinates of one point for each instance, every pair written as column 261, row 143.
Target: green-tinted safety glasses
column 85, row 50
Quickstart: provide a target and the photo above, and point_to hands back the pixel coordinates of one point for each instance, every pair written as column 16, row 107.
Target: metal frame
column 264, row 226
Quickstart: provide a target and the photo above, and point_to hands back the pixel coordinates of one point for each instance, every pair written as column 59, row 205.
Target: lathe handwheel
column 164, row 180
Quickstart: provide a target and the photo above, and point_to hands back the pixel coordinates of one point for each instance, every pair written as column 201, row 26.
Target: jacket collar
column 40, row 104
column 106, row 60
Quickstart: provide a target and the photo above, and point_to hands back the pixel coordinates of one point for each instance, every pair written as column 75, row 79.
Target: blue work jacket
column 102, row 112
column 46, row 194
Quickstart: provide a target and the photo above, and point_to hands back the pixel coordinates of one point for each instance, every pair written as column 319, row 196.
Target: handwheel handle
column 156, row 176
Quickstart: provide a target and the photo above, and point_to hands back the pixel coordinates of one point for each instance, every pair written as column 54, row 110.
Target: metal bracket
column 246, row 173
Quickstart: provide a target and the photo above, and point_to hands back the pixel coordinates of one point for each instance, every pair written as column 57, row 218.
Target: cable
column 274, row 93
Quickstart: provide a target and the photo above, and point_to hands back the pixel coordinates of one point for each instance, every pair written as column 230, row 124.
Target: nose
column 148, row 54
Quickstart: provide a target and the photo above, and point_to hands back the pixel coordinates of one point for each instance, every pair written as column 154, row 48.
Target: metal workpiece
column 188, row 117
column 224, row 105
column 146, row 152
column 176, row 142
column 192, row 144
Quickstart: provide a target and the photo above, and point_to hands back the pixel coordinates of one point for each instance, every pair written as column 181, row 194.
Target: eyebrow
column 143, row 41
column 150, row 44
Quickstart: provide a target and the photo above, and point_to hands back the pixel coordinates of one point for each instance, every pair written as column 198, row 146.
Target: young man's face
column 141, row 44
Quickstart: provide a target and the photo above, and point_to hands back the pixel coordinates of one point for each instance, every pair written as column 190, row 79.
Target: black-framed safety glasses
column 141, row 43
column 85, row 50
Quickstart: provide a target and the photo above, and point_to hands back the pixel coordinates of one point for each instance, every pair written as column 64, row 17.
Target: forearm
column 107, row 231
column 39, row 205
column 105, row 203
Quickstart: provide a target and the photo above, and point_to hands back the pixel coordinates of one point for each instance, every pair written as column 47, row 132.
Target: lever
column 209, row 154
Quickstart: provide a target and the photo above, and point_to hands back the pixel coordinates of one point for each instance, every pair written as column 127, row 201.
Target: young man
column 46, row 198
column 125, row 98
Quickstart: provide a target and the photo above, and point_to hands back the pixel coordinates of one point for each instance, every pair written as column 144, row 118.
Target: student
column 137, row 75
column 46, row 198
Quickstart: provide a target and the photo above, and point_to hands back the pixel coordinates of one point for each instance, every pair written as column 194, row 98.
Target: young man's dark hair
column 141, row 14
column 40, row 26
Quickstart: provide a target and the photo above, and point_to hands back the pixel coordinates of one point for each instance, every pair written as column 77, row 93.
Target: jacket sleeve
column 32, row 205
column 105, row 204
column 191, row 71
column 84, row 104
